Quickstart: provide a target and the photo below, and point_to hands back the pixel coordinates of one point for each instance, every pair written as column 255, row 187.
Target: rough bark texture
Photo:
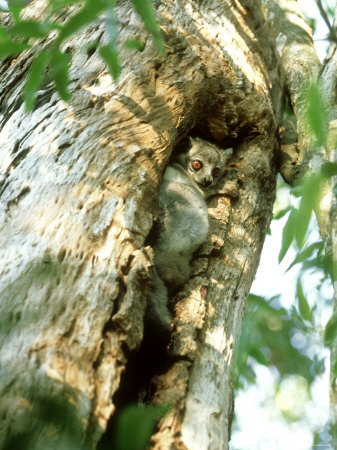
column 79, row 186
column 300, row 154
column 300, row 65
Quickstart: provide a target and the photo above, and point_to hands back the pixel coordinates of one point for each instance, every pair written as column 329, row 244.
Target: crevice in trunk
column 136, row 385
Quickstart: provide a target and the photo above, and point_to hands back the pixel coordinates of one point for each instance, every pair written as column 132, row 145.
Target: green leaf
column 12, row 49
column 134, row 44
column 297, row 190
column 310, row 194
column 317, row 114
column 303, row 304
column 35, row 78
column 145, row 10
column 256, row 302
column 318, row 263
column 334, row 369
column 329, row 169
column 302, row 223
column 59, row 70
column 135, row 426
column 110, row 56
column 58, row 4
column 111, row 22
column 288, row 109
column 16, row 3
column 310, row 189
column 334, row 189
column 270, row 328
column 4, row 36
column 86, row 15
column 29, row 29
column 306, row 253
column 257, row 354
column 288, row 233
column 15, row 7
column 109, row 52
column 330, row 331
column 281, row 213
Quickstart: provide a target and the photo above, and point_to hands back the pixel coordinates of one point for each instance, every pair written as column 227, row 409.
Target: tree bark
column 79, row 188
column 300, row 65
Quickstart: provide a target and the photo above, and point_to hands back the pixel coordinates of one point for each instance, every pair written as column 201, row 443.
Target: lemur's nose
column 207, row 181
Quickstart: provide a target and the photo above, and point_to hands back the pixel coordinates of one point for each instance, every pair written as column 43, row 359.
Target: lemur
column 189, row 180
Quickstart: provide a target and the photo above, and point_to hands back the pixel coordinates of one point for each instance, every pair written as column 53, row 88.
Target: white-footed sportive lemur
column 189, row 180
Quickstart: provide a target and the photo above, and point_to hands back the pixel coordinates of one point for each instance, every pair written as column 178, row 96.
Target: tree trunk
column 79, row 187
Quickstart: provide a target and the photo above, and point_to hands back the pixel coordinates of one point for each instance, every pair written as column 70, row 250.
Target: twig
column 332, row 33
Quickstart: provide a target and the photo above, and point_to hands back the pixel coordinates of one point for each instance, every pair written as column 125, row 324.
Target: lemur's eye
column 216, row 172
column 196, row 164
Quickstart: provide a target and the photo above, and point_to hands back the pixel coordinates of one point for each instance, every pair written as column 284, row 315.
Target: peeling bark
column 79, row 187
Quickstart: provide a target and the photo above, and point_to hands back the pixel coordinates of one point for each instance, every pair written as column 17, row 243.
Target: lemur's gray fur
column 183, row 221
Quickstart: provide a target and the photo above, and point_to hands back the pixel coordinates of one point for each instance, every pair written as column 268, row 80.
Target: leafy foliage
column 289, row 339
column 35, row 78
column 303, row 304
column 135, row 426
column 267, row 338
column 309, row 189
column 330, row 331
column 110, row 56
column 48, row 414
column 317, row 113
column 25, row 34
column 272, row 335
column 59, row 73
column 269, row 329
column 144, row 9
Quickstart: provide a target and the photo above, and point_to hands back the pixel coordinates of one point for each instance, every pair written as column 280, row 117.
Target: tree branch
column 332, row 33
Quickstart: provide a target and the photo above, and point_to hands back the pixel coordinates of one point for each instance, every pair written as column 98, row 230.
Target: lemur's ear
column 185, row 144
column 180, row 153
column 228, row 153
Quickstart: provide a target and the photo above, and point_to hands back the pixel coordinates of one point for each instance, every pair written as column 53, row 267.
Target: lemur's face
column 204, row 162
column 204, row 165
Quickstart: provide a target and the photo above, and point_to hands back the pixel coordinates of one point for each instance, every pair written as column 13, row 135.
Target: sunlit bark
column 79, row 190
